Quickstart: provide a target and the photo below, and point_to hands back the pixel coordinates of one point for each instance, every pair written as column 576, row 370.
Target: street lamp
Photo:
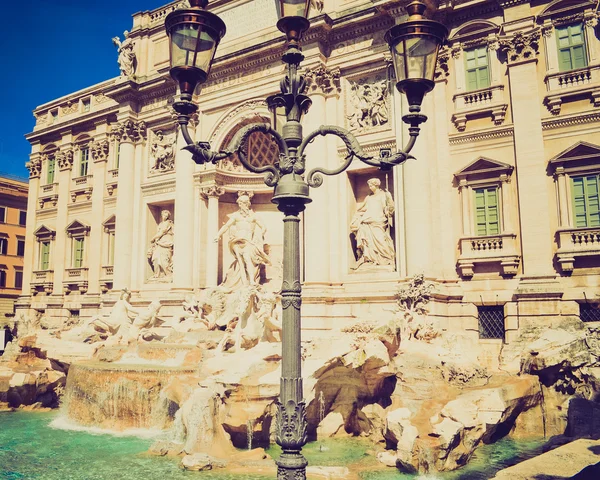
column 194, row 36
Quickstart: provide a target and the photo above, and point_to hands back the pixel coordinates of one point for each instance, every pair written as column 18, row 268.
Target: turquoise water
column 31, row 449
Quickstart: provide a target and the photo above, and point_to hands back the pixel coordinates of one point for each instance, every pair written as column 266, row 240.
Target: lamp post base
column 291, row 466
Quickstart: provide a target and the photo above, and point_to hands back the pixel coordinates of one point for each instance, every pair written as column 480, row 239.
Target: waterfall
column 249, row 432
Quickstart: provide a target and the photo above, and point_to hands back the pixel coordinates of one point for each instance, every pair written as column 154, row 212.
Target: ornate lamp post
column 194, row 36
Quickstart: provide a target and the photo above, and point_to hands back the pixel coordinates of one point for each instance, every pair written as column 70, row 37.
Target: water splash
column 249, row 433
column 62, row 422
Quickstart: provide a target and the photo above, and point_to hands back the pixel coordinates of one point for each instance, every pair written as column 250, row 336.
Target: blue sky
column 48, row 49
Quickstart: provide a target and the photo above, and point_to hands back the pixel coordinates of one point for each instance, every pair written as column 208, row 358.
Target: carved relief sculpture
column 371, row 227
column 521, row 46
column 99, row 150
column 368, row 104
column 64, row 159
column 320, row 79
column 162, row 153
column 246, row 244
column 126, row 59
column 160, row 253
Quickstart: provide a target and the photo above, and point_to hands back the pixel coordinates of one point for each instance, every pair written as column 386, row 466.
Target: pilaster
column 211, row 195
column 34, row 166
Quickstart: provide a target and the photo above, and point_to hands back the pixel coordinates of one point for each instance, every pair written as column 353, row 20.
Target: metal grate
column 589, row 312
column 491, row 322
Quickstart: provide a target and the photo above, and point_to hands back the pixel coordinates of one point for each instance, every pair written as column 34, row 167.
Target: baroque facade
column 499, row 210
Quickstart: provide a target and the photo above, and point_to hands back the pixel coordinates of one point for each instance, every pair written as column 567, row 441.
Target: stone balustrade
column 501, row 249
column 488, row 101
column 574, row 243
column 76, row 278
column 42, row 280
column 571, row 85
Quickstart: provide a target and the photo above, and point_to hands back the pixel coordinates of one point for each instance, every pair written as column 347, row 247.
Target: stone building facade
column 499, row 209
column 13, row 215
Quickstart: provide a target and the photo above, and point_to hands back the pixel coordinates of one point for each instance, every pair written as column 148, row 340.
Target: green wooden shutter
column 51, row 168
column 45, row 256
column 592, row 203
column 571, row 47
column 477, row 68
column 78, row 253
column 586, row 201
column 83, row 164
column 487, row 218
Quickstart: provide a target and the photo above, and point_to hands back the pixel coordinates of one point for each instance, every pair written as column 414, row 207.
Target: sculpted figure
column 370, row 106
column 246, row 244
column 126, row 57
column 160, row 253
column 371, row 226
column 162, row 153
column 121, row 316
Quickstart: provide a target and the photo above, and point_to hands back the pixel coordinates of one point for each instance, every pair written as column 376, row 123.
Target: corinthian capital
column 99, row 150
column 321, row 80
column 129, row 131
column 35, row 165
column 64, row 159
column 521, row 46
column 211, row 191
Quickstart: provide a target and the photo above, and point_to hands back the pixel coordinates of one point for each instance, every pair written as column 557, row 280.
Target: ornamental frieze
column 129, row 131
column 321, row 80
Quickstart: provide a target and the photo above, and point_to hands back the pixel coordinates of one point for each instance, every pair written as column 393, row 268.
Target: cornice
column 480, row 136
column 570, row 120
column 155, row 188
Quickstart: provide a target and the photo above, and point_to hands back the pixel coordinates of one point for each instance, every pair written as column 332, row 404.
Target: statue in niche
column 246, row 244
column 160, row 253
column 126, row 57
column 162, row 153
column 371, row 227
column 370, row 105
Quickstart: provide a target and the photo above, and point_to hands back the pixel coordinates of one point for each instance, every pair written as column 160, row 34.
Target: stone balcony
column 107, row 278
column 76, row 279
column 489, row 249
column 572, row 85
column 484, row 102
column 574, row 243
column 48, row 193
column 42, row 280
column 81, row 186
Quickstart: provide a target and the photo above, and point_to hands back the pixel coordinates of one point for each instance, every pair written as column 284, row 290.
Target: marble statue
column 121, row 316
column 197, row 315
column 143, row 324
column 162, row 153
column 160, row 253
column 246, row 244
column 371, row 227
column 126, row 57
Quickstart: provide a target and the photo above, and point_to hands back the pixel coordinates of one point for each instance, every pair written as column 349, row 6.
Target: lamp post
column 194, row 36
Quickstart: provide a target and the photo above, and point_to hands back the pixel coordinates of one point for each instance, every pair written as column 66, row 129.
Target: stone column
column 590, row 21
column 211, row 195
column 563, row 202
column 465, row 199
column 534, row 198
column 61, row 256
column 35, row 169
column 507, row 205
column 128, row 133
column 183, row 248
column 95, row 254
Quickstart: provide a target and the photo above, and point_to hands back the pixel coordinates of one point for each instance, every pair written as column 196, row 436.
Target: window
column 589, row 312
column 478, row 71
column 50, row 170
column 486, row 211
column 78, row 243
column 18, row 279
column 491, row 322
column 45, row 255
column 23, row 218
column 53, row 116
column 83, row 161
column 85, row 105
column 2, row 278
column 3, row 246
column 118, row 155
column 2, row 214
column 586, row 208
column 571, row 47
column 20, row 248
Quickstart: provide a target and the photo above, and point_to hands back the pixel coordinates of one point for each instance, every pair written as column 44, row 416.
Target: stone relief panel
column 162, row 151
column 368, row 104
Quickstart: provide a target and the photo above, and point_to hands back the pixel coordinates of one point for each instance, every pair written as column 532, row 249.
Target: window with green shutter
column 571, row 47
column 50, row 170
column 78, row 252
column 477, row 68
column 586, row 204
column 83, row 163
column 45, row 256
column 487, row 221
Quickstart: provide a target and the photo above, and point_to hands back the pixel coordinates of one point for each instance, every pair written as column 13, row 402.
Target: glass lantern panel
column 183, row 45
column 205, row 51
column 421, row 57
column 293, row 8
